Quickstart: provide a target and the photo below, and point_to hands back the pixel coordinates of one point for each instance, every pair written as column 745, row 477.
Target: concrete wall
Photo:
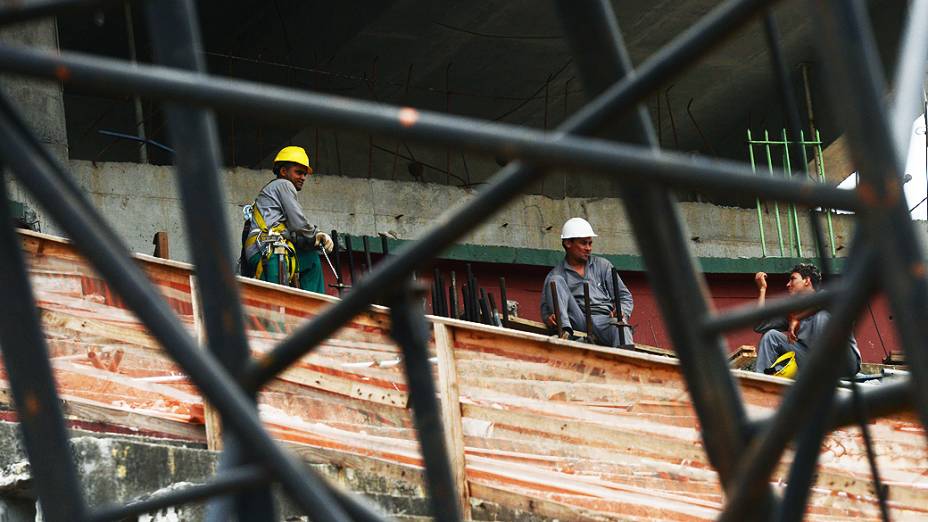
column 41, row 103
column 117, row 469
column 139, row 200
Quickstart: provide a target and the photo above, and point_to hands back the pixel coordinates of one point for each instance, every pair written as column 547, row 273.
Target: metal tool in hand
column 329, row 262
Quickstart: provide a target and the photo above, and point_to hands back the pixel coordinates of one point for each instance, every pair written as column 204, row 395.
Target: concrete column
column 41, row 103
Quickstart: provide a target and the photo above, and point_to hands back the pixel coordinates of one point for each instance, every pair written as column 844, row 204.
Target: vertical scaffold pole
column 793, row 214
column 760, row 214
column 776, row 206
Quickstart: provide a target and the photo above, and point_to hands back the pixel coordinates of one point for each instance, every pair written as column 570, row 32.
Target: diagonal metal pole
column 410, row 331
column 25, row 356
column 856, row 82
column 505, row 185
column 98, row 243
column 174, row 30
column 599, row 51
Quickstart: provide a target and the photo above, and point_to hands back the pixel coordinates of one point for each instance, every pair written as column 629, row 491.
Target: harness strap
column 273, row 235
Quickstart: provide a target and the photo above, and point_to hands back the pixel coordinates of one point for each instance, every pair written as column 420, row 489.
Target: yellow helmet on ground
column 784, row 366
column 294, row 154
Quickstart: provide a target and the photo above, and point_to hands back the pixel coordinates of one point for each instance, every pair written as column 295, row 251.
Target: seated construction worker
column 577, row 267
column 278, row 244
column 786, row 341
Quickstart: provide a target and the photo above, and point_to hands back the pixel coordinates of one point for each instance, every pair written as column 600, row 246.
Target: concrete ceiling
column 498, row 60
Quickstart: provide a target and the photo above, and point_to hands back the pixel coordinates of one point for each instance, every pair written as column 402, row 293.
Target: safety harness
column 271, row 242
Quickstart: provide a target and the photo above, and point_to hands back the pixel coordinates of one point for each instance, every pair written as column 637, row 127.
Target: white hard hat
column 577, row 227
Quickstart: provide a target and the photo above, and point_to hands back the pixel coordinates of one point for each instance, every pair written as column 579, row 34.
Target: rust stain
column 32, row 404
column 62, row 73
column 867, row 195
column 408, row 116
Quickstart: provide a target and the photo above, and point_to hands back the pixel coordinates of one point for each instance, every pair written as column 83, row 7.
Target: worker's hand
column 793, row 328
column 760, row 279
column 551, row 321
column 323, row 240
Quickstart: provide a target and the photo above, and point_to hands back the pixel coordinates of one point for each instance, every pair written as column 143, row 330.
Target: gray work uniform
column 774, row 343
column 569, row 284
column 277, row 203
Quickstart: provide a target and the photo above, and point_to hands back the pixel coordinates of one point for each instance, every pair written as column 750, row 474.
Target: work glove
column 323, row 240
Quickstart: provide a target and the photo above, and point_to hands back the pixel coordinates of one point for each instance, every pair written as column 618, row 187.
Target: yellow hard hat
column 294, row 155
column 784, row 366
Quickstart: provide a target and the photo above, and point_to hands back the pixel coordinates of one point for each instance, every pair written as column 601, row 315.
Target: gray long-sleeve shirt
column 599, row 274
column 277, row 203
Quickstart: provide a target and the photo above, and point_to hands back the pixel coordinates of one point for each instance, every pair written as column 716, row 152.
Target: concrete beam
column 139, row 200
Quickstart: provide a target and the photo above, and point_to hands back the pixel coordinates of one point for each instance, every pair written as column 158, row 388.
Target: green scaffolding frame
column 794, row 235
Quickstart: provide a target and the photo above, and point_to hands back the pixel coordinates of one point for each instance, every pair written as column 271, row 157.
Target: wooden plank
column 79, row 409
column 211, row 417
column 451, row 414
column 160, row 241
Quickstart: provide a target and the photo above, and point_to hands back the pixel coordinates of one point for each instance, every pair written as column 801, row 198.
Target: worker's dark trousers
column 774, row 343
column 606, row 333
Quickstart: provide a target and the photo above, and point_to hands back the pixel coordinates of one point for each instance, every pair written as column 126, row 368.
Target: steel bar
column 748, row 315
column 820, row 161
column 98, row 243
column 367, row 253
column 465, row 302
column 231, row 480
column 485, row 314
column 819, row 373
column 623, row 162
column 794, row 215
column 503, row 301
column 776, row 206
column 880, row 401
column 494, row 311
column 442, row 296
column 556, row 308
column 801, row 476
column 760, row 215
column 174, row 30
column 472, row 295
column 453, row 296
column 593, row 32
column 437, row 290
column 910, row 75
column 861, row 415
column 349, row 253
column 856, row 82
column 26, row 359
column 384, row 246
column 791, row 111
column 410, row 331
column 336, row 260
column 505, row 185
column 24, row 11
column 587, row 312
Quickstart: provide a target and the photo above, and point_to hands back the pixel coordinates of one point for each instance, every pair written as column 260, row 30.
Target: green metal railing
column 793, row 244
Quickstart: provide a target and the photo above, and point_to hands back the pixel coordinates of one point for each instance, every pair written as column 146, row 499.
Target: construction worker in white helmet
column 577, row 267
column 276, row 226
column 786, row 341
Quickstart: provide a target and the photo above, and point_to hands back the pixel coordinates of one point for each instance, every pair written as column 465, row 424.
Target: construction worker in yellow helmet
column 279, row 244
